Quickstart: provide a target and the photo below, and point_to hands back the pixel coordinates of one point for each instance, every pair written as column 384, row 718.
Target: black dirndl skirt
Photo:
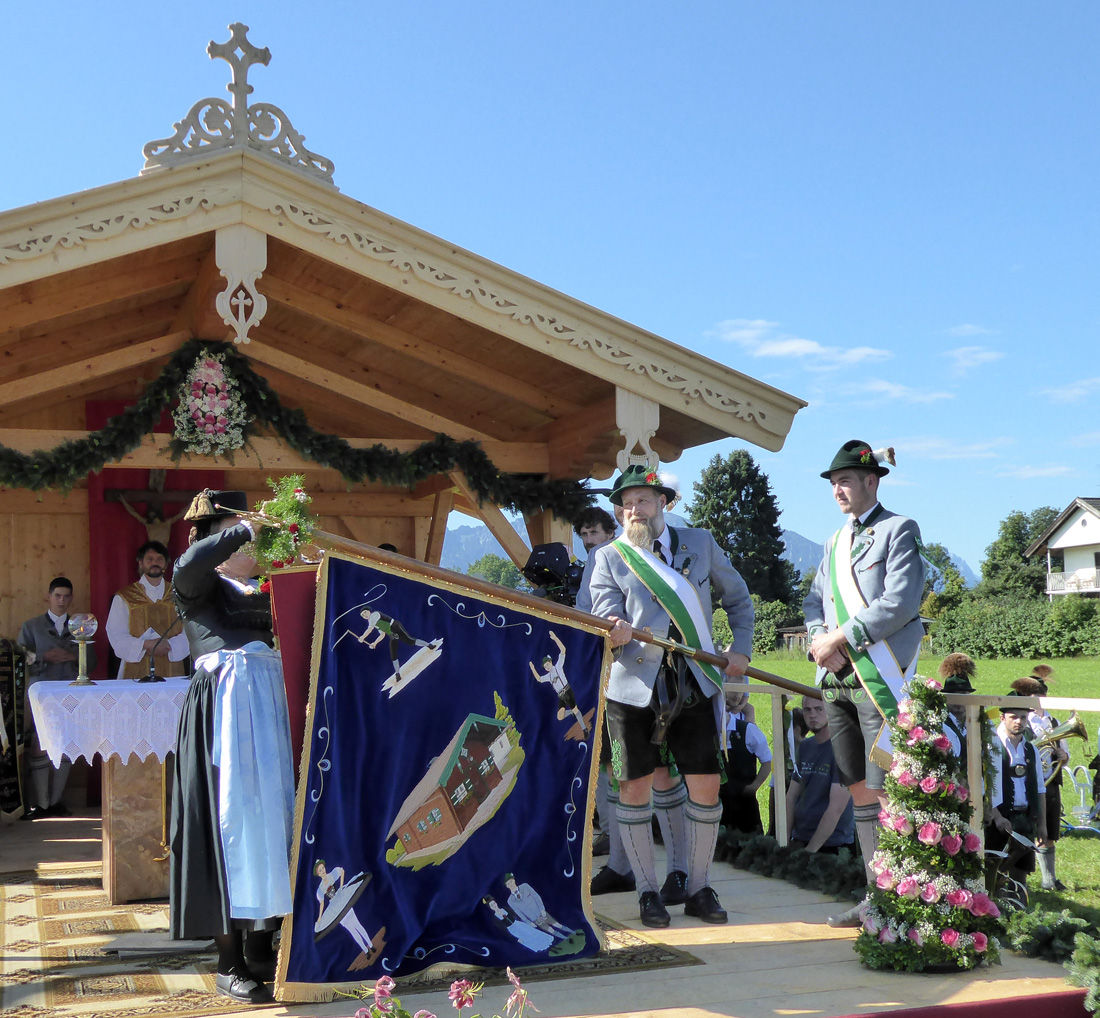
column 198, row 892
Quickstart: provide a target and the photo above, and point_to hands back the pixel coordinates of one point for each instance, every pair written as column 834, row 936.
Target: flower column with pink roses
column 929, row 906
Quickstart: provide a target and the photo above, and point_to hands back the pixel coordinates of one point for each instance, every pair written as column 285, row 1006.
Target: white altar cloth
column 115, row 717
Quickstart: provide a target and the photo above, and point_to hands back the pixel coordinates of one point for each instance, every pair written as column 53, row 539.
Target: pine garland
column 69, row 462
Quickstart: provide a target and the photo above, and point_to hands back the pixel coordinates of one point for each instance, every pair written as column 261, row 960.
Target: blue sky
column 889, row 210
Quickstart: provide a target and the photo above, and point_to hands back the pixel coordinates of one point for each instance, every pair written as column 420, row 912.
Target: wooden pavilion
column 378, row 331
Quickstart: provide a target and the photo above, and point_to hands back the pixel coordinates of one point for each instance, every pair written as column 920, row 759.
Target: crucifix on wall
column 158, row 526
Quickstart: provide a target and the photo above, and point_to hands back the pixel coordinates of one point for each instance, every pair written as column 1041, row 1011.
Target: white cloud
column 1030, row 473
column 884, row 390
column 967, row 357
column 762, row 338
column 934, row 448
column 1073, row 391
column 1089, row 438
column 971, row 330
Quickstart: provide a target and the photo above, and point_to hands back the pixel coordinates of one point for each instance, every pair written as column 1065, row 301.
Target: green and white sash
column 679, row 597
column 878, row 670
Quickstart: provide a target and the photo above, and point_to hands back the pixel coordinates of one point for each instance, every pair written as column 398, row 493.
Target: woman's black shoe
column 241, row 985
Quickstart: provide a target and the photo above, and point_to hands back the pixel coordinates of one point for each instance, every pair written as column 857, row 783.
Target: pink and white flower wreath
column 211, row 417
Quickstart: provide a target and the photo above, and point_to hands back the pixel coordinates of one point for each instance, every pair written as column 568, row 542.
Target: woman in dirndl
column 233, row 798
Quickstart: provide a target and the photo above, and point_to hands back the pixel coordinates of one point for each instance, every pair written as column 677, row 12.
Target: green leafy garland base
column 841, row 875
column 69, row 462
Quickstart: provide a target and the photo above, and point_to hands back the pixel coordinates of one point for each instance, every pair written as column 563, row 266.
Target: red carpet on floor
column 1064, row 1004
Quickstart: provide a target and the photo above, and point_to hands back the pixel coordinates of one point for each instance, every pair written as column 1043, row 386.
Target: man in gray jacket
column 862, row 616
column 659, row 579
column 51, row 654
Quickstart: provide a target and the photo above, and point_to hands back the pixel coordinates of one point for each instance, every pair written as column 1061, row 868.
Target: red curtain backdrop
column 294, row 598
column 115, row 536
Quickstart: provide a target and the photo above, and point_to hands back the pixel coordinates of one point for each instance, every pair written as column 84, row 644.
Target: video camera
column 553, row 576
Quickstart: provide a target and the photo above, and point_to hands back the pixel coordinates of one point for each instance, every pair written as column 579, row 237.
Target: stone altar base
column 133, row 823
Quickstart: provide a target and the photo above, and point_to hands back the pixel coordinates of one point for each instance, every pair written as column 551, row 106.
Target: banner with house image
column 444, row 804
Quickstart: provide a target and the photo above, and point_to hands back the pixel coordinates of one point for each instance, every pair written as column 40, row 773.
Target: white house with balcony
column 1072, row 546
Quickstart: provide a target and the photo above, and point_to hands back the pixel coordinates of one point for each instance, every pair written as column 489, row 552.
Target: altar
column 132, row 726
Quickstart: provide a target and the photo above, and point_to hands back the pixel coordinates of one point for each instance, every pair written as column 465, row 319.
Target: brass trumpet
column 1072, row 728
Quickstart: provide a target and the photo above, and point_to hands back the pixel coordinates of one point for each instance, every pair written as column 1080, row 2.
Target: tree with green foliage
column 734, row 501
column 499, row 570
column 944, row 587
column 1005, row 571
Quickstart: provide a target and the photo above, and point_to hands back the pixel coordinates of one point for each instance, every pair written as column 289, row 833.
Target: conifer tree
column 734, row 501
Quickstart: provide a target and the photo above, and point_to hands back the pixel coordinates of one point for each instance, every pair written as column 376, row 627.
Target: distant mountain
column 801, row 552
column 463, row 545
column 967, row 573
column 806, row 555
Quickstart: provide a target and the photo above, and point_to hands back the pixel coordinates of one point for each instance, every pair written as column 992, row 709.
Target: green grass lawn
column 1078, row 855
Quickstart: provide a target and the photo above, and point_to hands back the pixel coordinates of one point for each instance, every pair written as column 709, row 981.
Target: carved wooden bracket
column 638, row 419
column 241, row 254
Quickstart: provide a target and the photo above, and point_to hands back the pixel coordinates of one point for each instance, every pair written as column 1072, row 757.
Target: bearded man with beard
column 659, row 579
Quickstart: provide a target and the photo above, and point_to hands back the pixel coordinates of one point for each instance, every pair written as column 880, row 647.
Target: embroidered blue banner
column 443, row 812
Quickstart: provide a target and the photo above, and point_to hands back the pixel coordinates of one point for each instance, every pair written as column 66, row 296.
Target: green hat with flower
column 858, row 455
column 639, row 476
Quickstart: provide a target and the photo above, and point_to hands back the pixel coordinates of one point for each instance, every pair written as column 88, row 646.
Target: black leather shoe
column 58, row 809
column 653, row 913
column 262, row 970
column 675, row 889
column 240, row 985
column 601, row 844
column 607, row 881
column 704, row 904
column 35, row 813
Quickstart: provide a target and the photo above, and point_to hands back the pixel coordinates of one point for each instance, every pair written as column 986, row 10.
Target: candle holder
column 83, row 627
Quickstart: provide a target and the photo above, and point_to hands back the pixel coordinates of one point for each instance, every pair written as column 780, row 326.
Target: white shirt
column 1015, row 756
column 60, row 622
column 132, row 648
column 755, row 740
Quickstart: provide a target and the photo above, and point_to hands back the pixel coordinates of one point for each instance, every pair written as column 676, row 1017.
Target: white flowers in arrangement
column 211, row 417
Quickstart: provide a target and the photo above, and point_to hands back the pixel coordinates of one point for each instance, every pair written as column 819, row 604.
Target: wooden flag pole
column 524, row 600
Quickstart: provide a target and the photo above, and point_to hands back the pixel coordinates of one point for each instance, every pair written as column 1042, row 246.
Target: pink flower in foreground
column 950, row 937
column 914, row 935
column 423, row 1014
column 462, row 993
column 878, row 865
column 519, row 994
column 885, row 880
column 951, row 843
column 906, row 778
column 930, row 894
column 961, row 898
column 902, row 825
column 870, row 925
column 934, row 684
column 981, row 942
column 915, row 736
column 930, row 834
column 883, row 817
column 929, row 784
column 982, row 904
column 905, row 720
column 383, row 987
column 887, row 936
column 961, row 793
column 908, row 887
column 942, row 742
column 971, row 842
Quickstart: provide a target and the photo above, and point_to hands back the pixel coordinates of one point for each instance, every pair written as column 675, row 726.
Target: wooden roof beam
column 94, row 369
column 331, row 381
column 499, row 525
column 156, row 279
column 306, row 302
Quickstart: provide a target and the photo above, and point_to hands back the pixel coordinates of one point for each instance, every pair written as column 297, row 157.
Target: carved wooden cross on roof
column 240, row 54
